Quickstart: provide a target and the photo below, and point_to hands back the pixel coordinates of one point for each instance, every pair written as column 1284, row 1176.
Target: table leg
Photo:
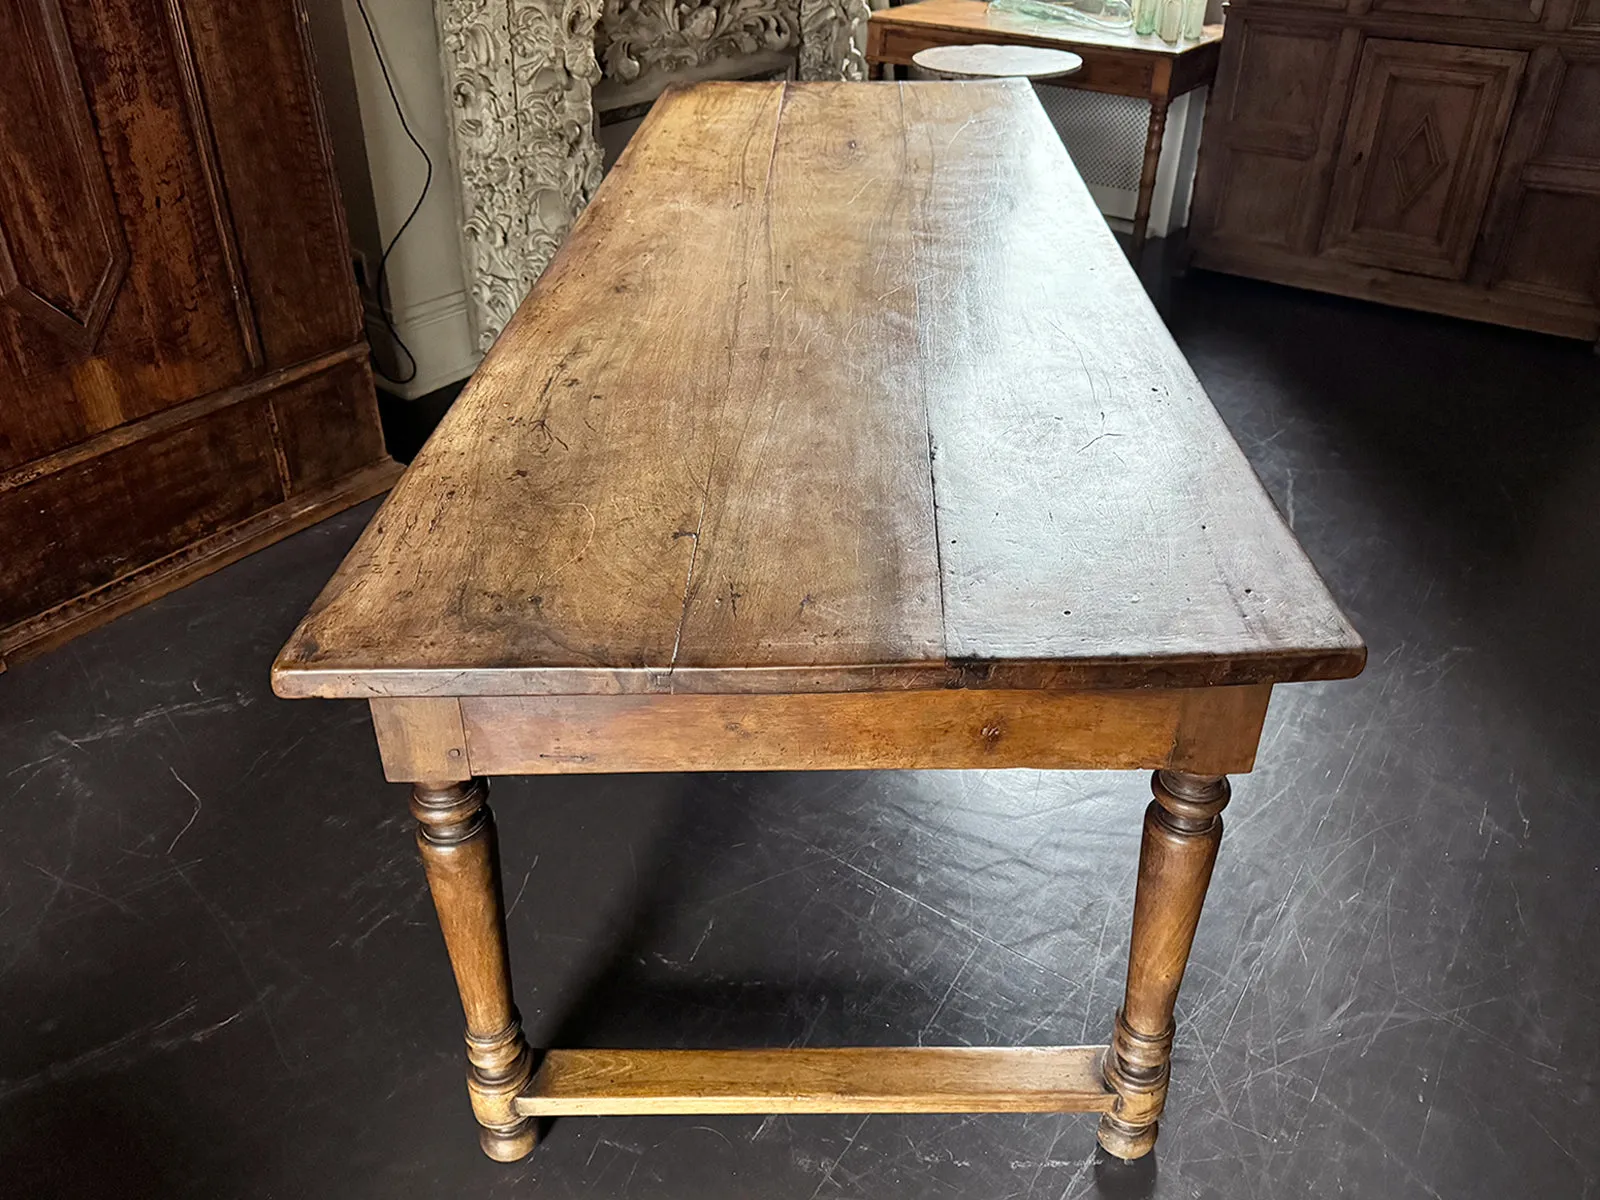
column 1182, row 830
column 455, row 831
column 1147, row 176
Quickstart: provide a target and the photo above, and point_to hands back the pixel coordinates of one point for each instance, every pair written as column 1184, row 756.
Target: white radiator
column 1105, row 136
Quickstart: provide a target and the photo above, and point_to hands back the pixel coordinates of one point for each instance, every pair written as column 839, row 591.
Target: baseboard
column 438, row 333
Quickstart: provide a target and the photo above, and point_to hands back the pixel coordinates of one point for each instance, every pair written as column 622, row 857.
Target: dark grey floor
column 219, row 973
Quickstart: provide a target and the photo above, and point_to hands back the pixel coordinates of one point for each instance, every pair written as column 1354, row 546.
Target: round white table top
column 998, row 62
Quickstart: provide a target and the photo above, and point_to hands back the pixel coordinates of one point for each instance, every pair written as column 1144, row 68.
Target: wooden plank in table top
column 833, row 387
column 1090, row 500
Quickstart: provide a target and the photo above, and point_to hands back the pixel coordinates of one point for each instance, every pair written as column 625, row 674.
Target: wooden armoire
column 1436, row 154
column 182, row 372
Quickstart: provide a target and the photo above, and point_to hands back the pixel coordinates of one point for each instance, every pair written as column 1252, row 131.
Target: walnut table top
column 834, row 387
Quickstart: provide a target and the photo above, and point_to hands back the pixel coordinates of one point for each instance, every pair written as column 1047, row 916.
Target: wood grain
column 456, row 838
column 909, row 1079
column 1215, row 728
column 1419, row 157
column 1182, row 831
column 1132, row 526
column 801, row 407
column 167, row 185
column 49, row 629
column 1412, row 152
column 420, row 739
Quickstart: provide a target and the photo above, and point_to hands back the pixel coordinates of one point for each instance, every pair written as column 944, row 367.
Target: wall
column 381, row 174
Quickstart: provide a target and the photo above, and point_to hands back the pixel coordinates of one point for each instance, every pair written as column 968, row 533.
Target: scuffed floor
column 219, row 972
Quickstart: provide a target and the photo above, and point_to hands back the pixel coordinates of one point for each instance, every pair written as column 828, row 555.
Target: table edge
column 296, row 682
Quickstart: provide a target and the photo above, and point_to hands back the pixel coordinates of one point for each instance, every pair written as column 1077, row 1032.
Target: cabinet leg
column 455, row 832
column 1182, row 830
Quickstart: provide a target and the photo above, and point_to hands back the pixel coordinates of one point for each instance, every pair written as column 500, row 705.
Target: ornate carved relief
column 643, row 38
column 832, row 38
column 520, row 76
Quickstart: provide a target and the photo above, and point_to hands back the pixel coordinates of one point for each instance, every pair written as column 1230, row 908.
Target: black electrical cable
column 383, row 262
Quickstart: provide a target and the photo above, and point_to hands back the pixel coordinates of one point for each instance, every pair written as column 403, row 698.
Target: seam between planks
column 922, row 371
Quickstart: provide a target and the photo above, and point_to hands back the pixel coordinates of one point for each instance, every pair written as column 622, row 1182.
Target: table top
column 983, row 61
column 832, row 387
column 977, row 16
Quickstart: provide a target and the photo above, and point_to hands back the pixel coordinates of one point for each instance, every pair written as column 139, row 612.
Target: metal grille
column 1104, row 134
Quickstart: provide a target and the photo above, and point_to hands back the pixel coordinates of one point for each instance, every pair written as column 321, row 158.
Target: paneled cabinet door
column 115, row 294
column 1271, row 126
column 1420, row 149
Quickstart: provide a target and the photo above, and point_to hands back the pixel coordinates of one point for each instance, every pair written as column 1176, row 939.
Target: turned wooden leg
column 1182, row 830
column 455, row 831
column 1147, row 173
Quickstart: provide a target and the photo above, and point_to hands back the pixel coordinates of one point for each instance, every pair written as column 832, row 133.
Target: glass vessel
column 1194, row 19
column 1169, row 22
column 1103, row 14
column 1144, row 19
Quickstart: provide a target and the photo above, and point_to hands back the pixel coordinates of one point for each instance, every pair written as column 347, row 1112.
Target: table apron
column 1209, row 731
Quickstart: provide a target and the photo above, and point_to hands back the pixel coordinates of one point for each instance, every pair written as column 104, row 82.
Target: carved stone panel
column 649, row 41
column 520, row 76
column 832, row 38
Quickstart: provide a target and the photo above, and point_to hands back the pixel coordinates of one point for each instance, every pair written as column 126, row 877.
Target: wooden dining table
column 838, row 435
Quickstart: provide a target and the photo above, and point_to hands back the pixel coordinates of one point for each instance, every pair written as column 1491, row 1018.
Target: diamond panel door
column 1419, row 154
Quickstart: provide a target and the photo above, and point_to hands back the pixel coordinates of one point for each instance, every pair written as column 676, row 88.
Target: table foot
column 511, row 1144
column 455, row 833
column 1182, row 831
